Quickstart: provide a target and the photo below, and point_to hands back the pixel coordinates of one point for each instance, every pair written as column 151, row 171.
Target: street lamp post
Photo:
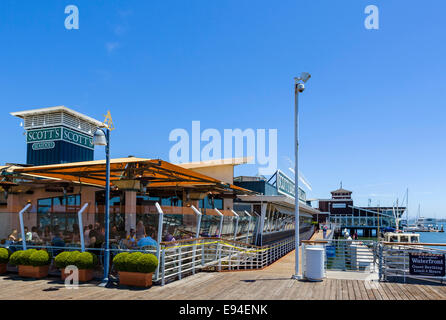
column 102, row 138
column 299, row 87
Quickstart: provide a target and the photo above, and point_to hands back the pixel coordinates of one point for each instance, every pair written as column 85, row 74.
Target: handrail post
column 159, row 238
column 249, row 226
column 163, row 272
column 179, row 262
column 81, row 225
column 197, row 235
column 202, row 253
column 199, row 214
column 219, row 245
column 302, row 259
column 380, row 272
column 22, row 226
column 221, row 222
column 236, row 224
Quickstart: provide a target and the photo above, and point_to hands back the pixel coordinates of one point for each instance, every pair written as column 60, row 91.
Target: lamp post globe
column 99, row 138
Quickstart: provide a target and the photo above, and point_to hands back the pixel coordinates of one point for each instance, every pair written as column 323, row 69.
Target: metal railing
column 346, row 255
column 99, row 252
column 395, row 260
column 182, row 258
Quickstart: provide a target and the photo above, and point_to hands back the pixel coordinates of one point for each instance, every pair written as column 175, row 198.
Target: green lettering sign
column 286, row 186
column 77, row 138
column 58, row 133
column 49, row 134
column 43, row 145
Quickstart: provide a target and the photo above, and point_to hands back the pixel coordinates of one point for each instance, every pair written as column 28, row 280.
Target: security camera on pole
column 299, row 87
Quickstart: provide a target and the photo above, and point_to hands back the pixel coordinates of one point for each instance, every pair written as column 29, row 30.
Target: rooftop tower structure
column 57, row 135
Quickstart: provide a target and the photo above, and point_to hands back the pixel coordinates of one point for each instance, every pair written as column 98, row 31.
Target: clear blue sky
column 372, row 116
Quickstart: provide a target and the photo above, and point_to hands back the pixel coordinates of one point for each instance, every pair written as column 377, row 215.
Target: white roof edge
column 216, row 162
column 279, row 199
column 21, row 114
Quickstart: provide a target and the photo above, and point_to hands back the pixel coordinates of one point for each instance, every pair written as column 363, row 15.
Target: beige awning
column 155, row 173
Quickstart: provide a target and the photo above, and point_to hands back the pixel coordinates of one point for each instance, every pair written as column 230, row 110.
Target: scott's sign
column 49, row 134
column 59, row 133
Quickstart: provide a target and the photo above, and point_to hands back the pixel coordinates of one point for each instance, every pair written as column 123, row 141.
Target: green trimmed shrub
column 22, row 258
column 135, row 262
column 147, row 263
column 119, row 261
column 61, row 259
column 39, row 258
column 132, row 261
column 16, row 257
column 4, row 255
column 86, row 260
column 71, row 259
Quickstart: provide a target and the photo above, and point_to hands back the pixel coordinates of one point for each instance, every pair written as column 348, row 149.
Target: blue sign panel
column 58, row 145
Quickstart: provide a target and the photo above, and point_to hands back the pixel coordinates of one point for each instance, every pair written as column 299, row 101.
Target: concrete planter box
column 33, row 272
column 84, row 275
column 135, row 279
column 2, row 268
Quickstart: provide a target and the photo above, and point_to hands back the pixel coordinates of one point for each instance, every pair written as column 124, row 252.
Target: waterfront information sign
column 425, row 264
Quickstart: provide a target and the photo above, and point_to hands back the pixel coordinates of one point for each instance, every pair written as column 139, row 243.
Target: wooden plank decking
column 224, row 286
column 272, row 283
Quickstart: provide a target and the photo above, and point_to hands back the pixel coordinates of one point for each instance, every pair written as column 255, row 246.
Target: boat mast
column 407, row 207
column 378, row 222
column 418, row 215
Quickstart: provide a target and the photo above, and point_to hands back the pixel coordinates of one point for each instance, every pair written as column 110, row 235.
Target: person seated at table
column 131, row 239
column 140, row 230
column 96, row 237
column 87, row 230
column 28, row 235
column 35, row 235
column 75, row 236
column 47, row 234
column 147, row 241
column 58, row 240
column 169, row 236
column 114, row 235
column 14, row 236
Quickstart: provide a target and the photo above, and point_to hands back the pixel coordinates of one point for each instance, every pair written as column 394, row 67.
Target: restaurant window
column 173, row 201
column 58, row 213
column 211, row 203
column 117, row 210
column 145, row 200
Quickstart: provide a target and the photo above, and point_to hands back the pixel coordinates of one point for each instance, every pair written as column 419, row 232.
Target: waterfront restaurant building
column 60, row 178
column 365, row 221
column 274, row 202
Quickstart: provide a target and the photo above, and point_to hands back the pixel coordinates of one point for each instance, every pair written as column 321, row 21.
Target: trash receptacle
column 314, row 263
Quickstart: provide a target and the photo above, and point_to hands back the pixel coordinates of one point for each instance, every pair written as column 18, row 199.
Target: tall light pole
column 299, row 87
column 102, row 138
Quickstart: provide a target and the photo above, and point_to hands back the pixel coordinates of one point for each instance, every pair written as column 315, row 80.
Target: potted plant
column 135, row 269
column 84, row 261
column 32, row 263
column 4, row 258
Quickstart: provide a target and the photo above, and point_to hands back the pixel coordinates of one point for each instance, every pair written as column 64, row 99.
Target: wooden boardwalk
column 272, row 283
